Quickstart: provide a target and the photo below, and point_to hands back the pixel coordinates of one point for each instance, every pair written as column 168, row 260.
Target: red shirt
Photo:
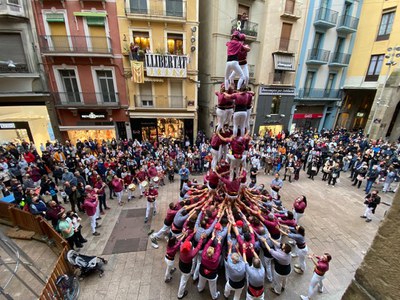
column 232, row 187
column 141, row 176
column 224, row 101
column 237, row 145
column 215, row 142
column 151, row 194
column 299, row 207
column 241, row 99
column 152, row 172
column 322, row 267
column 233, row 47
column 117, row 185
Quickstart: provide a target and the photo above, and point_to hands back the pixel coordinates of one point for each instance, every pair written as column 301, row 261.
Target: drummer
column 152, row 174
column 151, row 194
column 141, row 177
column 131, row 189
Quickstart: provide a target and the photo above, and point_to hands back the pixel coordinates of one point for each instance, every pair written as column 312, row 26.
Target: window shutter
column 55, row 18
column 95, row 21
column 12, row 48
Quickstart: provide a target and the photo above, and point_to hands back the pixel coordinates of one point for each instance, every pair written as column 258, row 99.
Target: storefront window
column 269, row 130
column 175, row 43
column 275, row 105
column 170, row 128
column 99, row 135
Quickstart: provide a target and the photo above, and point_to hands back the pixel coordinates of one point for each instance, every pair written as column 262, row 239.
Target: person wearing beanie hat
column 187, row 254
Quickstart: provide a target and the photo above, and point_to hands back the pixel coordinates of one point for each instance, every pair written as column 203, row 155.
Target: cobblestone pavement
column 332, row 221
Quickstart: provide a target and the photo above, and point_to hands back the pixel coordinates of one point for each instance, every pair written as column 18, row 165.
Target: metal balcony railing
column 319, row 93
column 248, row 28
column 281, row 78
column 340, row 58
column 286, row 45
column 325, row 17
column 86, row 99
column 19, row 68
column 156, row 9
column 319, row 56
column 348, row 23
column 166, row 102
column 75, row 44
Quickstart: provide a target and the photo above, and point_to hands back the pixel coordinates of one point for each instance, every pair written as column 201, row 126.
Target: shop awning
column 90, row 14
column 55, row 18
column 153, row 79
column 284, row 62
column 66, row 128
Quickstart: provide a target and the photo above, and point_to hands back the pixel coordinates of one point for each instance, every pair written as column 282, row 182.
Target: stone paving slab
column 332, row 221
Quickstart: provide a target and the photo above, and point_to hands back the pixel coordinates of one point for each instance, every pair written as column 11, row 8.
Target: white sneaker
column 321, row 290
column 304, row 297
column 154, row 243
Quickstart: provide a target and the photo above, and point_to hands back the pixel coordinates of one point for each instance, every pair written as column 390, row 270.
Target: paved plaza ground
column 332, row 221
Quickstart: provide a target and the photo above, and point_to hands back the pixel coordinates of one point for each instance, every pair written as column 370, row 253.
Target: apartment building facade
column 371, row 99
column 159, row 39
column 327, row 46
column 277, row 65
column 83, row 62
column 26, row 111
column 218, row 21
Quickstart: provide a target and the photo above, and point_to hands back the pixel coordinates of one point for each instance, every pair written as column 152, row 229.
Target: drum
column 145, row 183
column 132, row 187
column 156, row 179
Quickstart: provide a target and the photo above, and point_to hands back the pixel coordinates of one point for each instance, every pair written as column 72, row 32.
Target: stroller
column 86, row 264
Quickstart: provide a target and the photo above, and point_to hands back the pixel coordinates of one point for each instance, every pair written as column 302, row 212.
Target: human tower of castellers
column 224, row 224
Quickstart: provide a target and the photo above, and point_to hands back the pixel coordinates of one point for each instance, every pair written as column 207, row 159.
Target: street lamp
column 391, row 55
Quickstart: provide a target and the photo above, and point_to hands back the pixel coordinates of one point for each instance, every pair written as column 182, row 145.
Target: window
column 146, row 95
column 175, row 43
column 174, row 8
column 97, row 41
column 176, row 94
column 309, row 82
column 138, row 6
column 289, row 6
column 71, row 93
column 347, row 9
column 317, row 40
column 285, row 36
column 337, row 55
column 12, row 55
column 106, row 86
column 386, row 26
column 329, row 84
column 374, row 69
column 275, row 105
column 142, row 39
column 14, row 2
column 58, row 40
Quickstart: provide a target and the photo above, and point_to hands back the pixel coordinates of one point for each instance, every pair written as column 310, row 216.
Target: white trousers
column 279, row 282
column 148, row 206
column 170, row 266
column 216, row 154
column 141, row 188
column 250, row 297
column 224, row 151
column 247, row 123
column 119, row 196
column 163, row 231
column 239, row 121
column 97, row 214
column 315, row 280
column 368, row 212
column 228, row 289
column 234, row 66
column 236, row 163
column 93, row 223
column 212, row 284
column 267, row 261
column 245, row 69
column 297, row 216
column 386, row 187
column 130, row 194
column 196, row 263
column 223, row 117
column 302, row 253
column 182, row 284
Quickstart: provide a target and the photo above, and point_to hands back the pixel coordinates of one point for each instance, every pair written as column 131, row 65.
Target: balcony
column 281, row 78
column 150, row 102
column 86, row 100
column 318, row 57
column 319, row 94
column 340, row 59
column 173, row 11
column 12, row 8
column 71, row 45
column 250, row 29
column 291, row 10
column 347, row 24
column 14, row 69
column 286, row 46
column 325, row 18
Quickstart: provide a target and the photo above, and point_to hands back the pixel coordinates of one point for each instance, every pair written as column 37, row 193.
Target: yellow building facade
column 367, row 90
column 160, row 49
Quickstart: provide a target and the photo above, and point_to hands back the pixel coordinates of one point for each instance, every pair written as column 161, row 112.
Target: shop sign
column 274, row 92
column 166, row 65
column 360, row 115
column 93, row 116
column 7, row 125
column 307, row 116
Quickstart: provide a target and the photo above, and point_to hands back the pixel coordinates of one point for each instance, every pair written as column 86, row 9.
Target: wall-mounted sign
column 166, row 65
column 284, row 62
column 93, row 115
column 307, row 116
column 359, row 115
column 7, row 125
column 275, row 92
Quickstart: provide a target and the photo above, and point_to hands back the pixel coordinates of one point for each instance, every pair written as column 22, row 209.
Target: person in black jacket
column 371, row 201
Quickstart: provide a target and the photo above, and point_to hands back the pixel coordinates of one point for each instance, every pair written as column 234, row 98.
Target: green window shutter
column 55, row 18
column 95, row 21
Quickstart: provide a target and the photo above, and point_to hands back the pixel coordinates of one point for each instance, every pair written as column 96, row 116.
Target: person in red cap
column 234, row 46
